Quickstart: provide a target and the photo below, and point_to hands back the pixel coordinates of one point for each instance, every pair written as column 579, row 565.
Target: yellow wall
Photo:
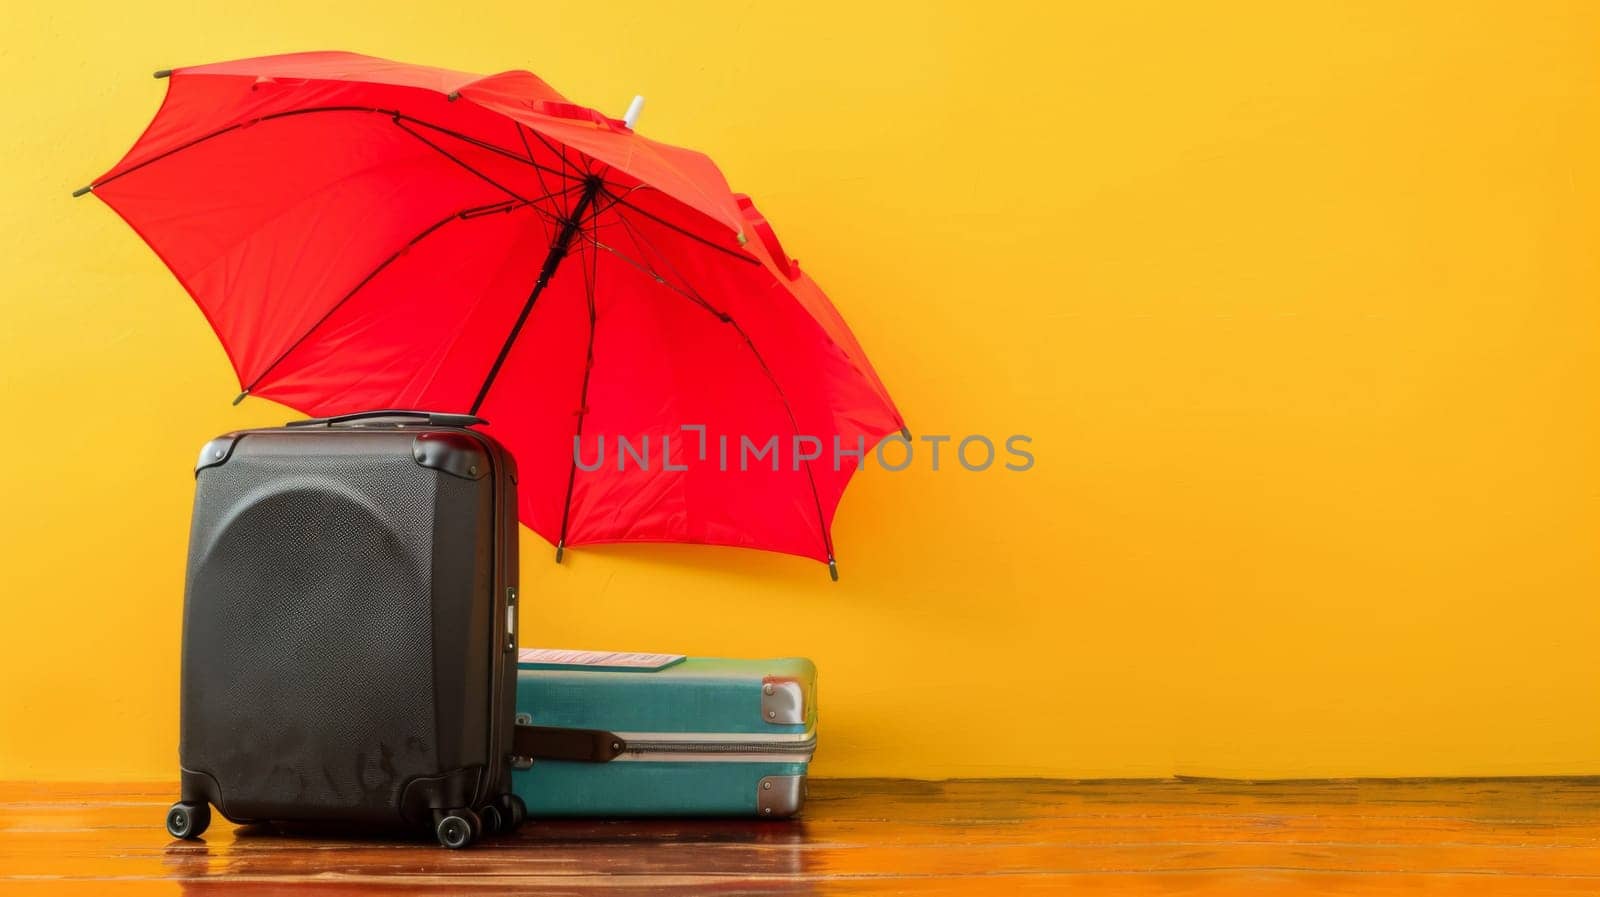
column 1299, row 301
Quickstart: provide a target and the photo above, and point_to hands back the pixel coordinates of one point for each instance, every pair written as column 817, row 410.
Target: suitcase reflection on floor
column 655, row 856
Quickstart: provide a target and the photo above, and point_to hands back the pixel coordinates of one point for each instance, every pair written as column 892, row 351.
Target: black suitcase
column 349, row 628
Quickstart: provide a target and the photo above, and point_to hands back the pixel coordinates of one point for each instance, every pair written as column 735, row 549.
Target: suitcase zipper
column 651, row 743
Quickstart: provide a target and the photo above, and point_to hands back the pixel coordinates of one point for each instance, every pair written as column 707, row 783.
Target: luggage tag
column 596, row 661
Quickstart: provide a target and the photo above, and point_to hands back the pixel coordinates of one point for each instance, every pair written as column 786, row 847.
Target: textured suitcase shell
column 348, row 654
column 705, row 737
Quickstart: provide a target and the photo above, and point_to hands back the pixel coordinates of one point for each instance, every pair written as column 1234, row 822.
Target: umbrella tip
column 634, row 108
column 905, row 432
column 163, row 73
column 833, row 569
column 82, row 190
column 561, row 549
column 240, row 397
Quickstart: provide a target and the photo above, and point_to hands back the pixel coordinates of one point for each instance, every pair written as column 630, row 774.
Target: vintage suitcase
column 349, row 628
column 662, row 735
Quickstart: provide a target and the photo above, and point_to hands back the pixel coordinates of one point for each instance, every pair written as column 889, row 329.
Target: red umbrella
column 365, row 234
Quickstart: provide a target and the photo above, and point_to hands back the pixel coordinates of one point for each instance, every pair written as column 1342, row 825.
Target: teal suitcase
column 662, row 735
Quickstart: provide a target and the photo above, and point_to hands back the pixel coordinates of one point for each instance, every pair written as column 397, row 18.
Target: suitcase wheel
column 489, row 814
column 188, row 820
column 458, row 828
column 513, row 812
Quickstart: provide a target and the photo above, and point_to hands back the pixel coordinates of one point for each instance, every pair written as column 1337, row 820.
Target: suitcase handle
column 432, row 418
column 552, row 743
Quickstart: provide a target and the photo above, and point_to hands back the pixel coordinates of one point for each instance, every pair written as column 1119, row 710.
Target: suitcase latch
column 519, row 762
column 511, row 618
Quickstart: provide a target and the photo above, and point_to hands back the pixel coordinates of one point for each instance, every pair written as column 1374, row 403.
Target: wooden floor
column 1518, row 837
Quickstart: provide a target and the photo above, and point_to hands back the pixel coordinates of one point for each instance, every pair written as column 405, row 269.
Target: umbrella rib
column 750, row 259
column 452, row 157
column 558, row 153
column 650, row 273
column 564, row 173
column 561, row 153
column 175, row 150
column 466, row 214
column 233, row 127
column 632, row 262
column 537, row 172
column 521, row 135
column 484, row 144
column 816, row 497
column 509, row 205
column 290, row 113
column 541, row 138
column 622, row 200
column 398, row 117
column 642, row 267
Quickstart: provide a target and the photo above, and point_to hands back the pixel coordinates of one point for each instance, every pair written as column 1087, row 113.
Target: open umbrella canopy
column 365, row 234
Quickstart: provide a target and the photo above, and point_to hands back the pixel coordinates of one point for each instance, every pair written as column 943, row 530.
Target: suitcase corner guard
column 780, row 796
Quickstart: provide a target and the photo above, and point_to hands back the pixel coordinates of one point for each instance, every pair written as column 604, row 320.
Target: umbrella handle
column 433, row 418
